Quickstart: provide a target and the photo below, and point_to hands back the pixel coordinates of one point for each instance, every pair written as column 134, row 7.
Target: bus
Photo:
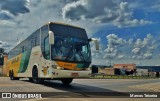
column 54, row 51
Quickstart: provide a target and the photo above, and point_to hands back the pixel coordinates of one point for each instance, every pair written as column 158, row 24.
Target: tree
column 1, row 56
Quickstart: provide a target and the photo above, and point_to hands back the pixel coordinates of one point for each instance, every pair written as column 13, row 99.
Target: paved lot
column 83, row 85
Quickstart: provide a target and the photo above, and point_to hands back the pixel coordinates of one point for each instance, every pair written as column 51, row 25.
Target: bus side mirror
column 95, row 42
column 51, row 37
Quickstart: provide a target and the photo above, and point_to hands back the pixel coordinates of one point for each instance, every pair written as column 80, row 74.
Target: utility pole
column 110, row 65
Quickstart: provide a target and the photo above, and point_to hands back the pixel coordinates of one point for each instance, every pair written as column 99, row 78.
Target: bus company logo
column 45, row 70
column 67, row 64
column 6, row 95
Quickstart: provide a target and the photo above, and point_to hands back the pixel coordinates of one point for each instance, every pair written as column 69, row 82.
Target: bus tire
column 16, row 78
column 35, row 78
column 11, row 73
column 30, row 79
column 66, row 81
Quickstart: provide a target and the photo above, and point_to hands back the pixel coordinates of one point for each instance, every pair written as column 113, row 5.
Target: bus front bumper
column 70, row 74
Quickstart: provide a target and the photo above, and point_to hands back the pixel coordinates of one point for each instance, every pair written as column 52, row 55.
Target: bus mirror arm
column 51, row 37
column 95, row 41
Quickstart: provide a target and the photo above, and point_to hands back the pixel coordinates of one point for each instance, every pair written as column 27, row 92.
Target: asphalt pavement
column 82, row 89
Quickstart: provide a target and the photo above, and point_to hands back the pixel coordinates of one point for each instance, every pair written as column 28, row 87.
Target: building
column 141, row 72
column 107, row 71
column 5, row 69
column 127, row 67
column 153, row 70
column 98, row 68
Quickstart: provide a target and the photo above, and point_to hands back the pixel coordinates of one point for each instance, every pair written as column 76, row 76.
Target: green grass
column 121, row 77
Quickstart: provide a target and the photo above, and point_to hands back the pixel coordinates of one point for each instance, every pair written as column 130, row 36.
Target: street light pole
column 110, row 66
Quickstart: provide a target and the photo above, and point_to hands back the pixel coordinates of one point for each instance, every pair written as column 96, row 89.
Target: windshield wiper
column 68, row 55
column 82, row 56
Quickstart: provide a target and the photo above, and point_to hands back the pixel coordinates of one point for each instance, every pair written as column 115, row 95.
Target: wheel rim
column 35, row 75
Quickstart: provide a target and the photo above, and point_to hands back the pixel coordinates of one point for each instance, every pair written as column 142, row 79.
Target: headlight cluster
column 88, row 68
column 60, row 68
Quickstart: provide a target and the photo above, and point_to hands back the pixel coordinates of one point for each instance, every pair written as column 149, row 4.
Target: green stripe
column 80, row 65
column 24, row 61
column 83, row 65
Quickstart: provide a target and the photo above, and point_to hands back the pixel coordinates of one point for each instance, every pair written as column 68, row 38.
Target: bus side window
column 46, row 48
column 23, row 49
column 35, row 41
column 32, row 44
column 44, row 38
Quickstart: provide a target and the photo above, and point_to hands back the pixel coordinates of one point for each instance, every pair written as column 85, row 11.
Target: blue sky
column 128, row 31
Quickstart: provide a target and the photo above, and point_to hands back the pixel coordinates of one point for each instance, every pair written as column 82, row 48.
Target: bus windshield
column 70, row 49
column 68, row 31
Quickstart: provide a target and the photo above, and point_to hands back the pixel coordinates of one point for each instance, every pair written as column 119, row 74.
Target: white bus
column 54, row 51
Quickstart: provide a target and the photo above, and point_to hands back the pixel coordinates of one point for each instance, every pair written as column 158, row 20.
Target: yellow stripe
column 14, row 64
column 71, row 66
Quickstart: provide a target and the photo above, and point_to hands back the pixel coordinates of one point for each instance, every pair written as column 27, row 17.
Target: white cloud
column 6, row 23
column 10, row 8
column 130, row 42
column 148, row 55
column 136, row 51
column 112, row 51
column 125, row 17
column 24, row 23
column 5, row 45
column 143, row 49
column 121, row 51
column 121, row 56
column 114, row 40
column 116, row 13
column 41, row 12
column 147, row 5
column 84, row 13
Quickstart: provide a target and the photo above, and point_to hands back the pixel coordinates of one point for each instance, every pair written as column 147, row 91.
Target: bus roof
column 63, row 24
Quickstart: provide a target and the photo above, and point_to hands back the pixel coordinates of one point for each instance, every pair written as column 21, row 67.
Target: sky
column 128, row 31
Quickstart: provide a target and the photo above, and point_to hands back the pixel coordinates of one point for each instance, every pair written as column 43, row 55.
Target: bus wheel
column 12, row 76
column 30, row 79
column 35, row 78
column 66, row 81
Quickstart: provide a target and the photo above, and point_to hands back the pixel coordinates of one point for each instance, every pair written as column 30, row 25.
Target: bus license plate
column 74, row 74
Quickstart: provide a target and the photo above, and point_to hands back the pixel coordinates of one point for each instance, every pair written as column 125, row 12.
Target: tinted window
column 71, row 49
column 46, row 48
column 44, row 35
column 69, row 31
column 32, row 41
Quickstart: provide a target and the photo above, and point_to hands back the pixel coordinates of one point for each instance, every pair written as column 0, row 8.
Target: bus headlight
column 60, row 68
column 88, row 69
